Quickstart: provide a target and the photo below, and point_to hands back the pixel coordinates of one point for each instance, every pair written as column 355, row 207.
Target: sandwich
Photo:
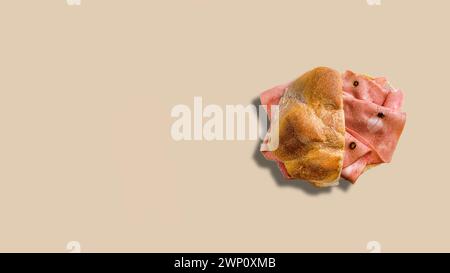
column 332, row 125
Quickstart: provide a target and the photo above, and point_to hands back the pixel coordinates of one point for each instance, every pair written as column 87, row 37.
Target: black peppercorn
column 380, row 115
column 355, row 83
column 352, row 145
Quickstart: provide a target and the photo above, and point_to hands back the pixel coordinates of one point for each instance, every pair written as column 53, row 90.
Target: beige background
column 85, row 146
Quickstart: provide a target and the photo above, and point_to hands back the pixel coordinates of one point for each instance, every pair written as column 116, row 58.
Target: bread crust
column 312, row 127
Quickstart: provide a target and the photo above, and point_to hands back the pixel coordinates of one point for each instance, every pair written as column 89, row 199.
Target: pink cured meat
column 272, row 96
column 373, row 116
column 268, row 98
column 373, row 119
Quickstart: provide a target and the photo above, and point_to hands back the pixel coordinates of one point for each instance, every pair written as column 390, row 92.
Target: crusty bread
column 311, row 127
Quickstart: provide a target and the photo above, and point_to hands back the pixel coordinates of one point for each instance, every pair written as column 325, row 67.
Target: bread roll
column 311, row 127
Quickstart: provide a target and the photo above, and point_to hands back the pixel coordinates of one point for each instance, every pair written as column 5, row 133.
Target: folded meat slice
column 311, row 127
column 378, row 126
column 364, row 87
column 374, row 122
column 272, row 97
